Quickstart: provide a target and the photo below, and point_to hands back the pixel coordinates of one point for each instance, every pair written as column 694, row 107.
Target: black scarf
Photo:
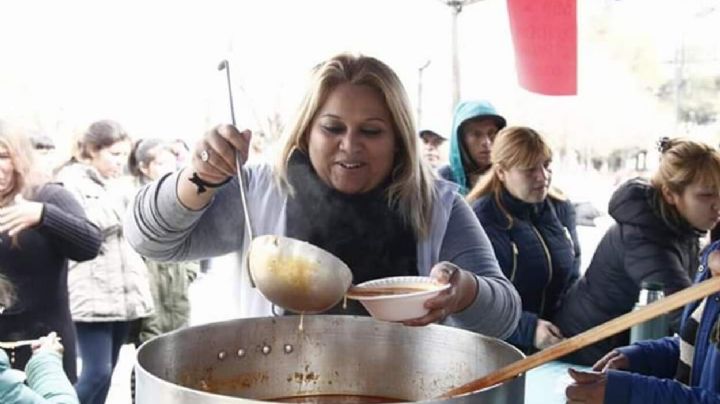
column 361, row 230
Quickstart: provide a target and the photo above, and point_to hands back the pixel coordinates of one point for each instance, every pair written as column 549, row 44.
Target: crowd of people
column 100, row 251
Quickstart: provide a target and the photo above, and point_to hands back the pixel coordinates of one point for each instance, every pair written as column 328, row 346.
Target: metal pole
column 419, row 91
column 455, row 56
column 456, row 8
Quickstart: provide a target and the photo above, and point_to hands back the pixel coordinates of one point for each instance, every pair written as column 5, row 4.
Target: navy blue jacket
column 540, row 254
column 655, row 362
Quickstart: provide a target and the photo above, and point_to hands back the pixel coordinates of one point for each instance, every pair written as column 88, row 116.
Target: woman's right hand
column 51, row 343
column 213, row 161
column 213, row 157
column 612, row 360
column 714, row 262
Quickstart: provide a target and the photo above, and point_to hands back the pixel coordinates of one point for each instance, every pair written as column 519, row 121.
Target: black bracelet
column 203, row 185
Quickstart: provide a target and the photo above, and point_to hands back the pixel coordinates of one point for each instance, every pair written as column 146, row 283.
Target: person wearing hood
column 655, row 239
column 475, row 124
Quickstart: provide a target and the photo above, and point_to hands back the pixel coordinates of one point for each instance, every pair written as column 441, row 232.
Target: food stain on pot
column 235, row 384
column 304, row 377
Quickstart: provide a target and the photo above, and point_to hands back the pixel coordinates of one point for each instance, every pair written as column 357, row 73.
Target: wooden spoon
column 597, row 333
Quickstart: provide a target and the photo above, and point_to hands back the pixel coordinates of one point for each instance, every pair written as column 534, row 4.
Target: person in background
column 655, row 238
column 431, row 142
column 149, row 160
column 475, row 124
column 349, row 180
column 41, row 226
column 181, row 151
column 45, row 152
column 681, row 369
column 44, row 381
column 532, row 230
column 112, row 290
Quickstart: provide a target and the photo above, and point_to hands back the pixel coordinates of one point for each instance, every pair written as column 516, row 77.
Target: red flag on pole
column 545, row 38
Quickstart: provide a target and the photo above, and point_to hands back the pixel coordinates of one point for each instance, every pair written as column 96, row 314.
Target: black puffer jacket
column 640, row 246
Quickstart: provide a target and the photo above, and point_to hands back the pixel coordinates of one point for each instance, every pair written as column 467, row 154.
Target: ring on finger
column 205, row 155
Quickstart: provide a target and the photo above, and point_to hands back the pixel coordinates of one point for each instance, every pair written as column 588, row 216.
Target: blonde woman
column 349, row 180
column 655, row 238
column 532, row 230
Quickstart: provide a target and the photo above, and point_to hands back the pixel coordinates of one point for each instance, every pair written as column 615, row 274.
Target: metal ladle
column 290, row 273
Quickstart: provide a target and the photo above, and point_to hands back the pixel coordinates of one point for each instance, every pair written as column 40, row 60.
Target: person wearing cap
column 45, row 152
column 475, row 124
column 431, row 142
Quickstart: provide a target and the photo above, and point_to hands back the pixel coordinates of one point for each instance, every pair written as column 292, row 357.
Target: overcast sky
column 152, row 65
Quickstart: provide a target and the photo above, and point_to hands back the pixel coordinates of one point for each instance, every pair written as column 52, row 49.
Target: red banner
column 545, row 38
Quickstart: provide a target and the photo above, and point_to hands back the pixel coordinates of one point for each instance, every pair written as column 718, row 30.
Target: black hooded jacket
column 643, row 245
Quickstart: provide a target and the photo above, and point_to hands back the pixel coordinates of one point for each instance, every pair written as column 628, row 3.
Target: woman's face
column 7, row 170
column 352, row 141
column 698, row 204
column 529, row 184
column 110, row 161
column 164, row 162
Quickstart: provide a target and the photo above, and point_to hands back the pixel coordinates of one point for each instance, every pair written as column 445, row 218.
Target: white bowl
column 399, row 307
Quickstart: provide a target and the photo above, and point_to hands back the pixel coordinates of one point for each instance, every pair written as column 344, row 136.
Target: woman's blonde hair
column 411, row 189
column 26, row 177
column 683, row 162
column 514, row 146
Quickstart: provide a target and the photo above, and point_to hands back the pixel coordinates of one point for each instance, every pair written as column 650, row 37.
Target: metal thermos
column 657, row 327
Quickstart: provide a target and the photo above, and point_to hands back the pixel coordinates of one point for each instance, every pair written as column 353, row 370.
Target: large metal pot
column 243, row 361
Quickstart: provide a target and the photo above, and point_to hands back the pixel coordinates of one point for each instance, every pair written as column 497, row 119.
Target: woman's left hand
column 450, row 300
column 588, row 387
column 20, row 216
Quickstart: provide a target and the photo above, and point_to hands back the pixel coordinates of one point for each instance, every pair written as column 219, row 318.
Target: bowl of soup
column 397, row 298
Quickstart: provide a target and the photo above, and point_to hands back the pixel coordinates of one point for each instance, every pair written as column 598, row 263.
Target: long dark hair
column 143, row 153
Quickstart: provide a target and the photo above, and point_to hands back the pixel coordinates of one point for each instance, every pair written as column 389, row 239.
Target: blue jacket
column 540, row 254
column 655, row 362
column 455, row 171
column 46, row 381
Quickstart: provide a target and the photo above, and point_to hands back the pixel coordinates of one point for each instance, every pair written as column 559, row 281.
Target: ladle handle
column 597, row 333
column 246, row 212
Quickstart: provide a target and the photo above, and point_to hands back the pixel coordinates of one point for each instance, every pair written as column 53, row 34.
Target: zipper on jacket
column 515, row 254
column 550, row 271
column 569, row 237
